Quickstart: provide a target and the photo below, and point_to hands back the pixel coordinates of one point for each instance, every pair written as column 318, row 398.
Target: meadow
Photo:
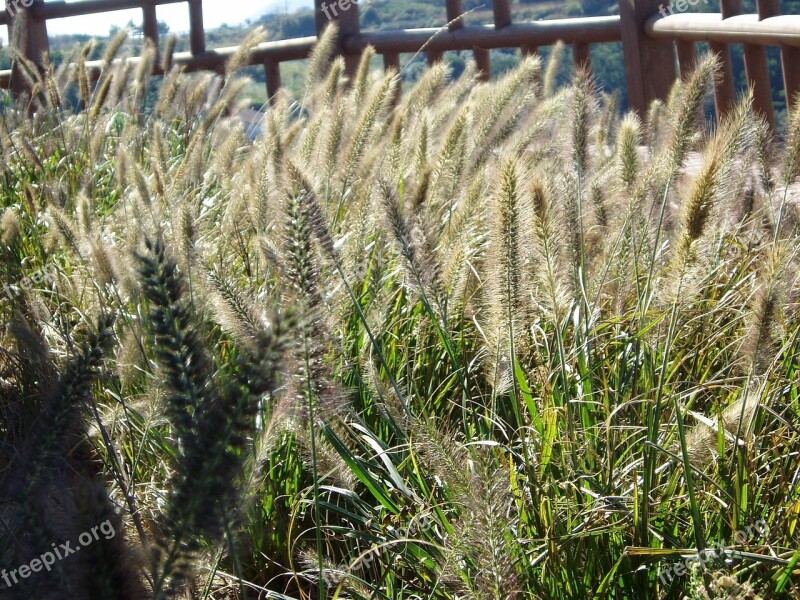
column 475, row 340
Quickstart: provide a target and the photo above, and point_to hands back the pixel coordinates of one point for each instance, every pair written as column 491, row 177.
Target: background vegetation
column 607, row 59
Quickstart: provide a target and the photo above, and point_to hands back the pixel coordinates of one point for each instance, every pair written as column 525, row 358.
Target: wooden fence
column 658, row 46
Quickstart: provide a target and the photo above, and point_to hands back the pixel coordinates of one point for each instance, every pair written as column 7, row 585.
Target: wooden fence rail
column 657, row 47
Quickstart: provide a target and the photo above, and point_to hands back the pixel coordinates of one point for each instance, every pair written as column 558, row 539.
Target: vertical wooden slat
column 649, row 63
column 150, row 22
column 483, row 59
column 197, row 33
column 687, row 57
column 346, row 15
column 757, row 68
column 391, row 60
column 529, row 50
column 502, row 13
column 30, row 38
column 725, row 88
column 434, row 56
column 768, row 8
column 790, row 56
column 730, row 8
column 581, row 55
column 272, row 70
column 38, row 40
column 455, row 10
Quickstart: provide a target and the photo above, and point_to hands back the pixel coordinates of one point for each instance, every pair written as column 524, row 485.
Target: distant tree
column 370, row 17
column 456, row 62
column 298, row 25
column 594, row 8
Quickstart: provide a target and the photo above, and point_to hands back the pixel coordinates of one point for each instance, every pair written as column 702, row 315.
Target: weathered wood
column 272, row 71
column 528, row 50
column 581, row 55
column 197, row 33
column 502, row 13
column 539, row 33
column 725, row 86
column 730, row 8
column 649, row 63
column 391, row 60
column 455, row 12
column 57, row 10
column 757, row 68
column 345, row 13
column 687, row 57
column 150, row 23
column 483, row 59
column 790, row 57
column 744, row 29
column 28, row 34
column 434, row 56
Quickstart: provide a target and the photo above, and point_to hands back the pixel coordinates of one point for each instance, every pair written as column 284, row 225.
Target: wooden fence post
column 755, row 60
column 687, row 57
column 725, row 88
column 29, row 36
column 483, row 60
column 391, row 60
column 649, row 63
column 502, row 13
column 455, row 12
column 272, row 71
column 150, row 24
column 345, row 14
column 483, row 56
column 790, row 55
column 197, row 32
column 581, row 55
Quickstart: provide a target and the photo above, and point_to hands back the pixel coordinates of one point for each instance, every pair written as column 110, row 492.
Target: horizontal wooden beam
column 711, row 27
column 540, row 33
column 266, row 52
column 61, row 9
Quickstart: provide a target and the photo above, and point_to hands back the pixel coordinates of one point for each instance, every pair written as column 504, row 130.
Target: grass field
column 494, row 340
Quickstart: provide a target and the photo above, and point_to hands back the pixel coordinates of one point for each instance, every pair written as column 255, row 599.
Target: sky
column 215, row 13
